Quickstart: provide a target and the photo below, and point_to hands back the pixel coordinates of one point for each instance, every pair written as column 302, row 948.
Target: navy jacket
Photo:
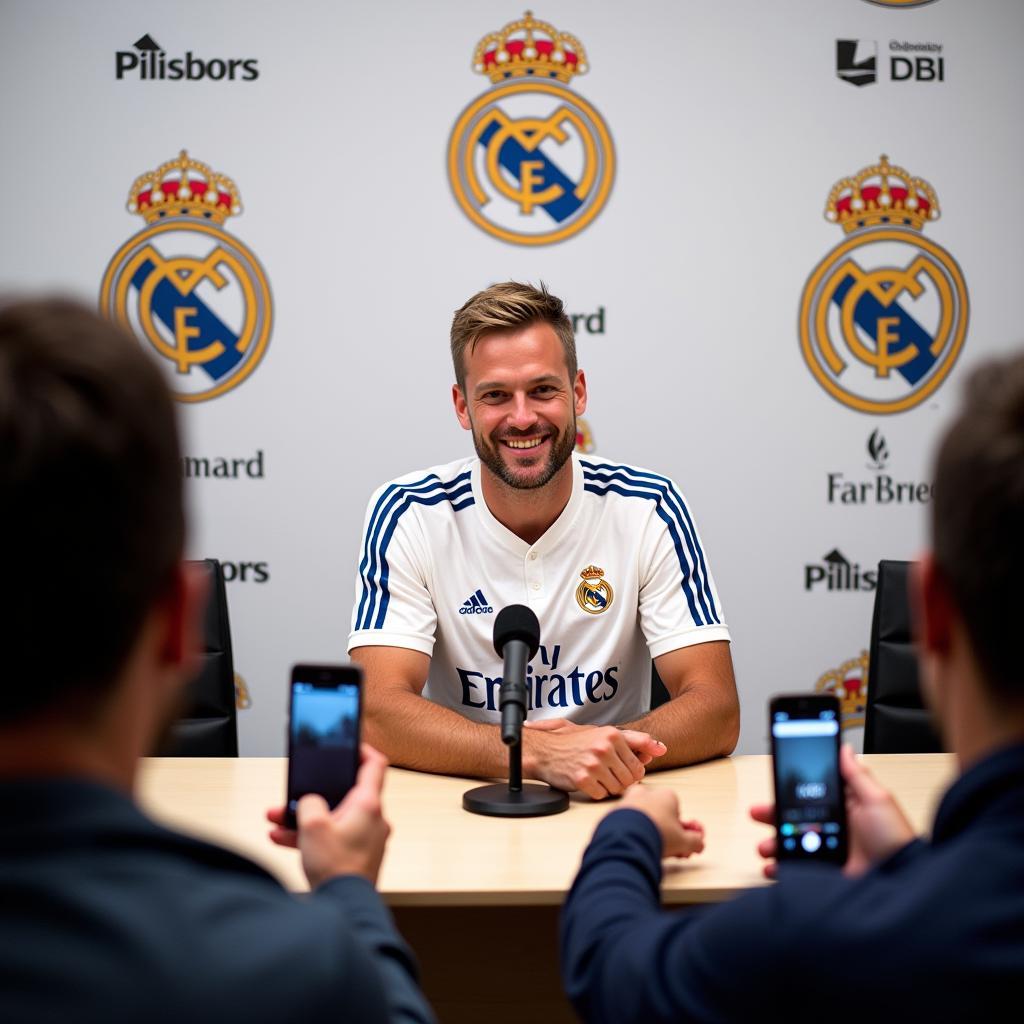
column 935, row 933
column 107, row 917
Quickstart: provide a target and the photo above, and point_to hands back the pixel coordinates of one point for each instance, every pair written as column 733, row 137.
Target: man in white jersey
column 607, row 555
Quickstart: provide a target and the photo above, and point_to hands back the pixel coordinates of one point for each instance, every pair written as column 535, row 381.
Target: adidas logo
column 476, row 605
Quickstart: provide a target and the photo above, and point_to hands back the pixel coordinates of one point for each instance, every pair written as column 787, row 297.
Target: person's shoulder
column 612, row 476
column 451, row 477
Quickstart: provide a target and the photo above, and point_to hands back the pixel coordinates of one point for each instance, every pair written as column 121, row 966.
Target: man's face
column 520, row 404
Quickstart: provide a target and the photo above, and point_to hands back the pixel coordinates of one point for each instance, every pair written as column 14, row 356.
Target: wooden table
column 447, row 872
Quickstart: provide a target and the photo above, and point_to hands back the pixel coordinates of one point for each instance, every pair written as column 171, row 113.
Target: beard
column 489, row 453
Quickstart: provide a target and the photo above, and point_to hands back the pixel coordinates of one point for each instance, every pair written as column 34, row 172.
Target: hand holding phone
column 810, row 799
column 323, row 733
column 348, row 840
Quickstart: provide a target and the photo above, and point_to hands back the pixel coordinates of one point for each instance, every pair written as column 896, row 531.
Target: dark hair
column 504, row 307
column 91, row 500
column 978, row 519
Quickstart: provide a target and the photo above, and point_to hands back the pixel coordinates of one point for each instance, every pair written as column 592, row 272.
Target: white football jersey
column 620, row 577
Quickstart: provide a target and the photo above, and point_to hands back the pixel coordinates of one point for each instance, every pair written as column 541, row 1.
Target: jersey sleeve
column 678, row 604
column 393, row 606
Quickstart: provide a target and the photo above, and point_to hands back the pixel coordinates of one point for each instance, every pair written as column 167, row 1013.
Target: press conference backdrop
column 786, row 232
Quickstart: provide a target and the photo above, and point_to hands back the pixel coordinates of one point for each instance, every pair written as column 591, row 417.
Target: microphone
column 516, row 639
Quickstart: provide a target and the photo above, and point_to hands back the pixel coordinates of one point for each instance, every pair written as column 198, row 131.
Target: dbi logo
column 883, row 317
column 857, row 61
column 148, row 62
column 185, row 286
column 529, row 162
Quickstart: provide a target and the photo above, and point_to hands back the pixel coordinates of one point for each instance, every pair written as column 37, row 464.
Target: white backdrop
column 730, row 125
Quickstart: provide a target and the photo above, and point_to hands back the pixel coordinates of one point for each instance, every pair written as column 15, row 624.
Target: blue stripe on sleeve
column 394, row 500
column 664, row 487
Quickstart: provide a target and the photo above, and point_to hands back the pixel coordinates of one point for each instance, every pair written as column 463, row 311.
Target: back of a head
column 91, row 498
column 978, row 520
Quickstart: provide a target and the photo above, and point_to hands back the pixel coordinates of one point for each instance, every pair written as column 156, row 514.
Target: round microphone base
column 498, row 801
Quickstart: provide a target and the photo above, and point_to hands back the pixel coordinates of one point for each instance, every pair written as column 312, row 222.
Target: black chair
column 897, row 721
column 659, row 695
column 209, row 727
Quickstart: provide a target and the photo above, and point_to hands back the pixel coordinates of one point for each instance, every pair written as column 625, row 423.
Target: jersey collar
column 555, row 532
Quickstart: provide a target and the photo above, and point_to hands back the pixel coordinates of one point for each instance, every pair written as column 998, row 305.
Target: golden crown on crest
column 592, row 573
column 529, row 48
column 184, row 187
column 882, row 194
column 849, row 683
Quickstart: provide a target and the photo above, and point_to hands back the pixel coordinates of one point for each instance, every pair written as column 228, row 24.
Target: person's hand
column 349, row 840
column 599, row 760
column 678, row 838
column 877, row 826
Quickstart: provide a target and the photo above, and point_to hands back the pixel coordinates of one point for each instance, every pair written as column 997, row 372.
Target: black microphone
column 516, row 639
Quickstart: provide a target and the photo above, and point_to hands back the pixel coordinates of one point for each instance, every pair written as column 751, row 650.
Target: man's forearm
column 695, row 726
column 414, row 732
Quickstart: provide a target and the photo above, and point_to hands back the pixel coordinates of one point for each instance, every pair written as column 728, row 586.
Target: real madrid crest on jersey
column 185, row 286
column 530, row 162
column 884, row 315
column 594, row 594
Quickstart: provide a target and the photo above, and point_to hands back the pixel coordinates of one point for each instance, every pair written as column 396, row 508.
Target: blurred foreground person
column 911, row 928
column 106, row 916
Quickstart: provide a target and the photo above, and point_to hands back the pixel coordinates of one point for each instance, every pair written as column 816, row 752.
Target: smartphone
column 810, row 801
column 325, row 709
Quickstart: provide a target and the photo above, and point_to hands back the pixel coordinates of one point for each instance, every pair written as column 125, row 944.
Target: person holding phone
column 105, row 916
column 910, row 928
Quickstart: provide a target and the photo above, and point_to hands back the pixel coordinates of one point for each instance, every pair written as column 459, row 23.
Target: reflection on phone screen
column 808, row 788
column 324, row 741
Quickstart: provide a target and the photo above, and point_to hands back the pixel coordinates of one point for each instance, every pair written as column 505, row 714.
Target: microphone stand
column 516, row 800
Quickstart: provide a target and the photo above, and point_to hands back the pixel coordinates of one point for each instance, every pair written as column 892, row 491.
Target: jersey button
column 533, row 556
column 535, row 584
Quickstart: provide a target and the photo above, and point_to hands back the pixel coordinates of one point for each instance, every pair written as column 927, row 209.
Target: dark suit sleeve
column 387, row 954
column 624, row 959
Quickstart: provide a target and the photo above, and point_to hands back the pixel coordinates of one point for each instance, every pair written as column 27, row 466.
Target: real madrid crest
column 530, row 162
column 884, row 315
column 594, row 594
column 185, row 286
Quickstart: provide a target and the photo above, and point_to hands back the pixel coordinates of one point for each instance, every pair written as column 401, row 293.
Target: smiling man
column 607, row 555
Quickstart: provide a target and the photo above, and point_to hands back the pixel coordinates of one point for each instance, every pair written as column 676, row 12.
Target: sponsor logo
column 848, row 682
column 245, row 572
column 883, row 317
column 529, row 162
column 592, row 323
column 476, row 604
column 553, row 688
column 594, row 594
column 882, row 489
column 878, row 451
column 584, row 437
column 187, row 288
column 857, row 61
column 222, row 468
column 148, row 62
column 835, row 572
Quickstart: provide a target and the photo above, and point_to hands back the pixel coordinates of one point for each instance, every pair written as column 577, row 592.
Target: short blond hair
column 503, row 307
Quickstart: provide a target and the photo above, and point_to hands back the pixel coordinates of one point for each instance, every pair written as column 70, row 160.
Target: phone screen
column 810, row 804
column 323, row 734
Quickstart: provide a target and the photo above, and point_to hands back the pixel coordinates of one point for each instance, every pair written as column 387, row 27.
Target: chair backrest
column 209, row 727
column 659, row 695
column 897, row 721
